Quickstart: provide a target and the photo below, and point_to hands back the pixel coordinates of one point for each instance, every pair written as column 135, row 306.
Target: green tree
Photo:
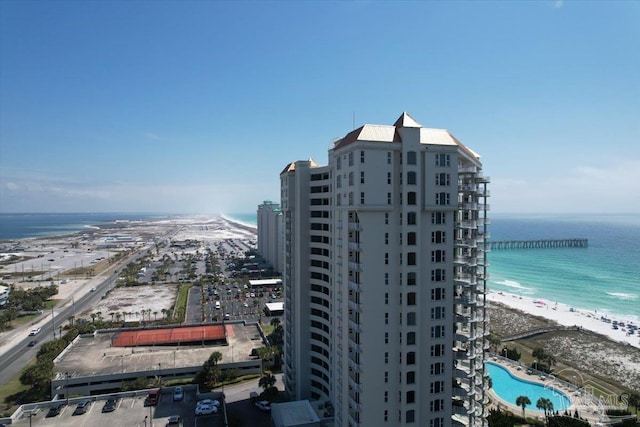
column 545, row 405
column 267, row 380
column 523, row 401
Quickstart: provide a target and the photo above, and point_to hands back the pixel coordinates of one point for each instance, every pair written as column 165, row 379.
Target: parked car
column 55, row 409
column 110, row 405
column 208, row 402
column 82, row 407
column 264, row 405
column 174, row 420
column 206, row 410
column 178, row 393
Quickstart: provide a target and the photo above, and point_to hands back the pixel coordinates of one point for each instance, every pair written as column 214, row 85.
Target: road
column 19, row 354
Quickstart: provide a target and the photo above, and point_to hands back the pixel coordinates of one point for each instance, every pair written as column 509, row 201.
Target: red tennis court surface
column 169, row 336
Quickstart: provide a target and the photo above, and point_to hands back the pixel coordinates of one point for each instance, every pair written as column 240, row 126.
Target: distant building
column 270, row 234
column 384, row 279
column 4, row 294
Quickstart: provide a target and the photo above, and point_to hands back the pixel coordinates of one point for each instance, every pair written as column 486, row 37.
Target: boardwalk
column 539, row 244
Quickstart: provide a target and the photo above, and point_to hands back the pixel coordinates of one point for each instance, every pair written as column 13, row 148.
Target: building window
column 386, row 397
column 438, row 237
column 438, row 256
column 411, row 298
column 386, row 297
column 437, row 312
column 438, row 275
column 437, row 368
column 388, row 199
column 411, row 238
column 411, row 258
column 436, row 422
column 386, row 278
column 386, row 377
column 411, row 318
column 386, row 318
column 339, row 181
column 386, row 357
column 437, row 294
column 443, row 199
column 411, row 338
column 386, row 216
column 386, row 414
column 411, row 178
column 388, row 157
column 386, row 238
column 437, row 405
column 350, row 178
column 443, row 179
column 386, row 337
column 443, row 160
column 361, row 156
column 362, row 177
column 437, row 350
column 411, row 278
column 411, row 218
column 351, row 158
column 436, row 387
column 411, row 377
column 338, row 199
column 411, row 358
column 411, row 198
column 411, row 157
column 411, row 396
column 438, row 218
column 386, row 258
column 389, row 178
column 437, row 331
column 339, row 163
column 362, row 197
column 350, row 198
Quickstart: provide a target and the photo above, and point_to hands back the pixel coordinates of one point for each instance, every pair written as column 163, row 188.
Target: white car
column 206, row 410
column 178, row 393
column 264, row 405
column 34, row 331
column 208, row 402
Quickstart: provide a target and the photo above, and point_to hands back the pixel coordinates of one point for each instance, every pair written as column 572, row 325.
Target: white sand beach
column 567, row 316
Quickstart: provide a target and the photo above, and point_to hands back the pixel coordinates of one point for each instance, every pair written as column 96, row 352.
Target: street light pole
column 66, row 390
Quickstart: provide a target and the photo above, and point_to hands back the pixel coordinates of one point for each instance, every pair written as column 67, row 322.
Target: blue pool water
column 508, row 388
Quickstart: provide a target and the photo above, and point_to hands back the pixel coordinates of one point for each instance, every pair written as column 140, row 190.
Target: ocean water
column 33, row 225
column 248, row 219
column 604, row 276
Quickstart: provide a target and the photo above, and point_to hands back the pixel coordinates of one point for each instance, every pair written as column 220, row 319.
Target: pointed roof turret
column 406, row 121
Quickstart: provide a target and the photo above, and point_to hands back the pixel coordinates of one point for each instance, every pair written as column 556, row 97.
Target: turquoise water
column 508, row 388
column 604, row 277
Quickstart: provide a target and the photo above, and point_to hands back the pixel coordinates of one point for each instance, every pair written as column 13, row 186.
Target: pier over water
column 538, row 244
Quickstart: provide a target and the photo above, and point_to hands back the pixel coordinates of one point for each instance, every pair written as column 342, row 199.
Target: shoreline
column 565, row 315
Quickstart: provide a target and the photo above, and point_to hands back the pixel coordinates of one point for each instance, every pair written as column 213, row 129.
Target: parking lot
column 130, row 411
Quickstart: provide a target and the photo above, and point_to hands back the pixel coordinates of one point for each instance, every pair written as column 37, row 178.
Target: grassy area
column 267, row 329
column 10, row 390
column 181, row 301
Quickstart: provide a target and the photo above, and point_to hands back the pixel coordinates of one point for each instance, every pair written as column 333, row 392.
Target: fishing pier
column 538, row 244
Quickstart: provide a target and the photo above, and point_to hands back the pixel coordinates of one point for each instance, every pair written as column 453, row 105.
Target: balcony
column 354, row 266
column 466, row 243
column 354, row 226
column 353, row 246
column 356, row 287
column 355, row 306
column 354, row 326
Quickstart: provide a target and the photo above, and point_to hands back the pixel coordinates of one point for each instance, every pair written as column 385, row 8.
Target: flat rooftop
column 97, row 354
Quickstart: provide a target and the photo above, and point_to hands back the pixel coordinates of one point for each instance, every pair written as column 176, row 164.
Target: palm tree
column 93, row 317
column 155, row 316
column 523, row 401
column 545, row 405
column 267, row 380
column 275, row 322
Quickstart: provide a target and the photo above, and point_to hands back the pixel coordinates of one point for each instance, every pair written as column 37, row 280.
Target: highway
column 17, row 357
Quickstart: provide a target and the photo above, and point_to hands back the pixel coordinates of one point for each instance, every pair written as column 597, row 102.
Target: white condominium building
column 385, row 277
column 270, row 233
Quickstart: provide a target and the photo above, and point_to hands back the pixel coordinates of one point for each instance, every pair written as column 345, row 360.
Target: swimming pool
column 508, row 388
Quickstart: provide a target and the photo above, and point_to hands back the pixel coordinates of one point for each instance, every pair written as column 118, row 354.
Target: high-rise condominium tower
column 270, row 233
column 384, row 275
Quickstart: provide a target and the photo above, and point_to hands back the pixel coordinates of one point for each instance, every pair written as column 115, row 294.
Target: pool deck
column 577, row 397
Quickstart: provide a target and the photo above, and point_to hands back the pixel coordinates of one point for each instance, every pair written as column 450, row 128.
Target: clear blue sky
column 196, row 106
